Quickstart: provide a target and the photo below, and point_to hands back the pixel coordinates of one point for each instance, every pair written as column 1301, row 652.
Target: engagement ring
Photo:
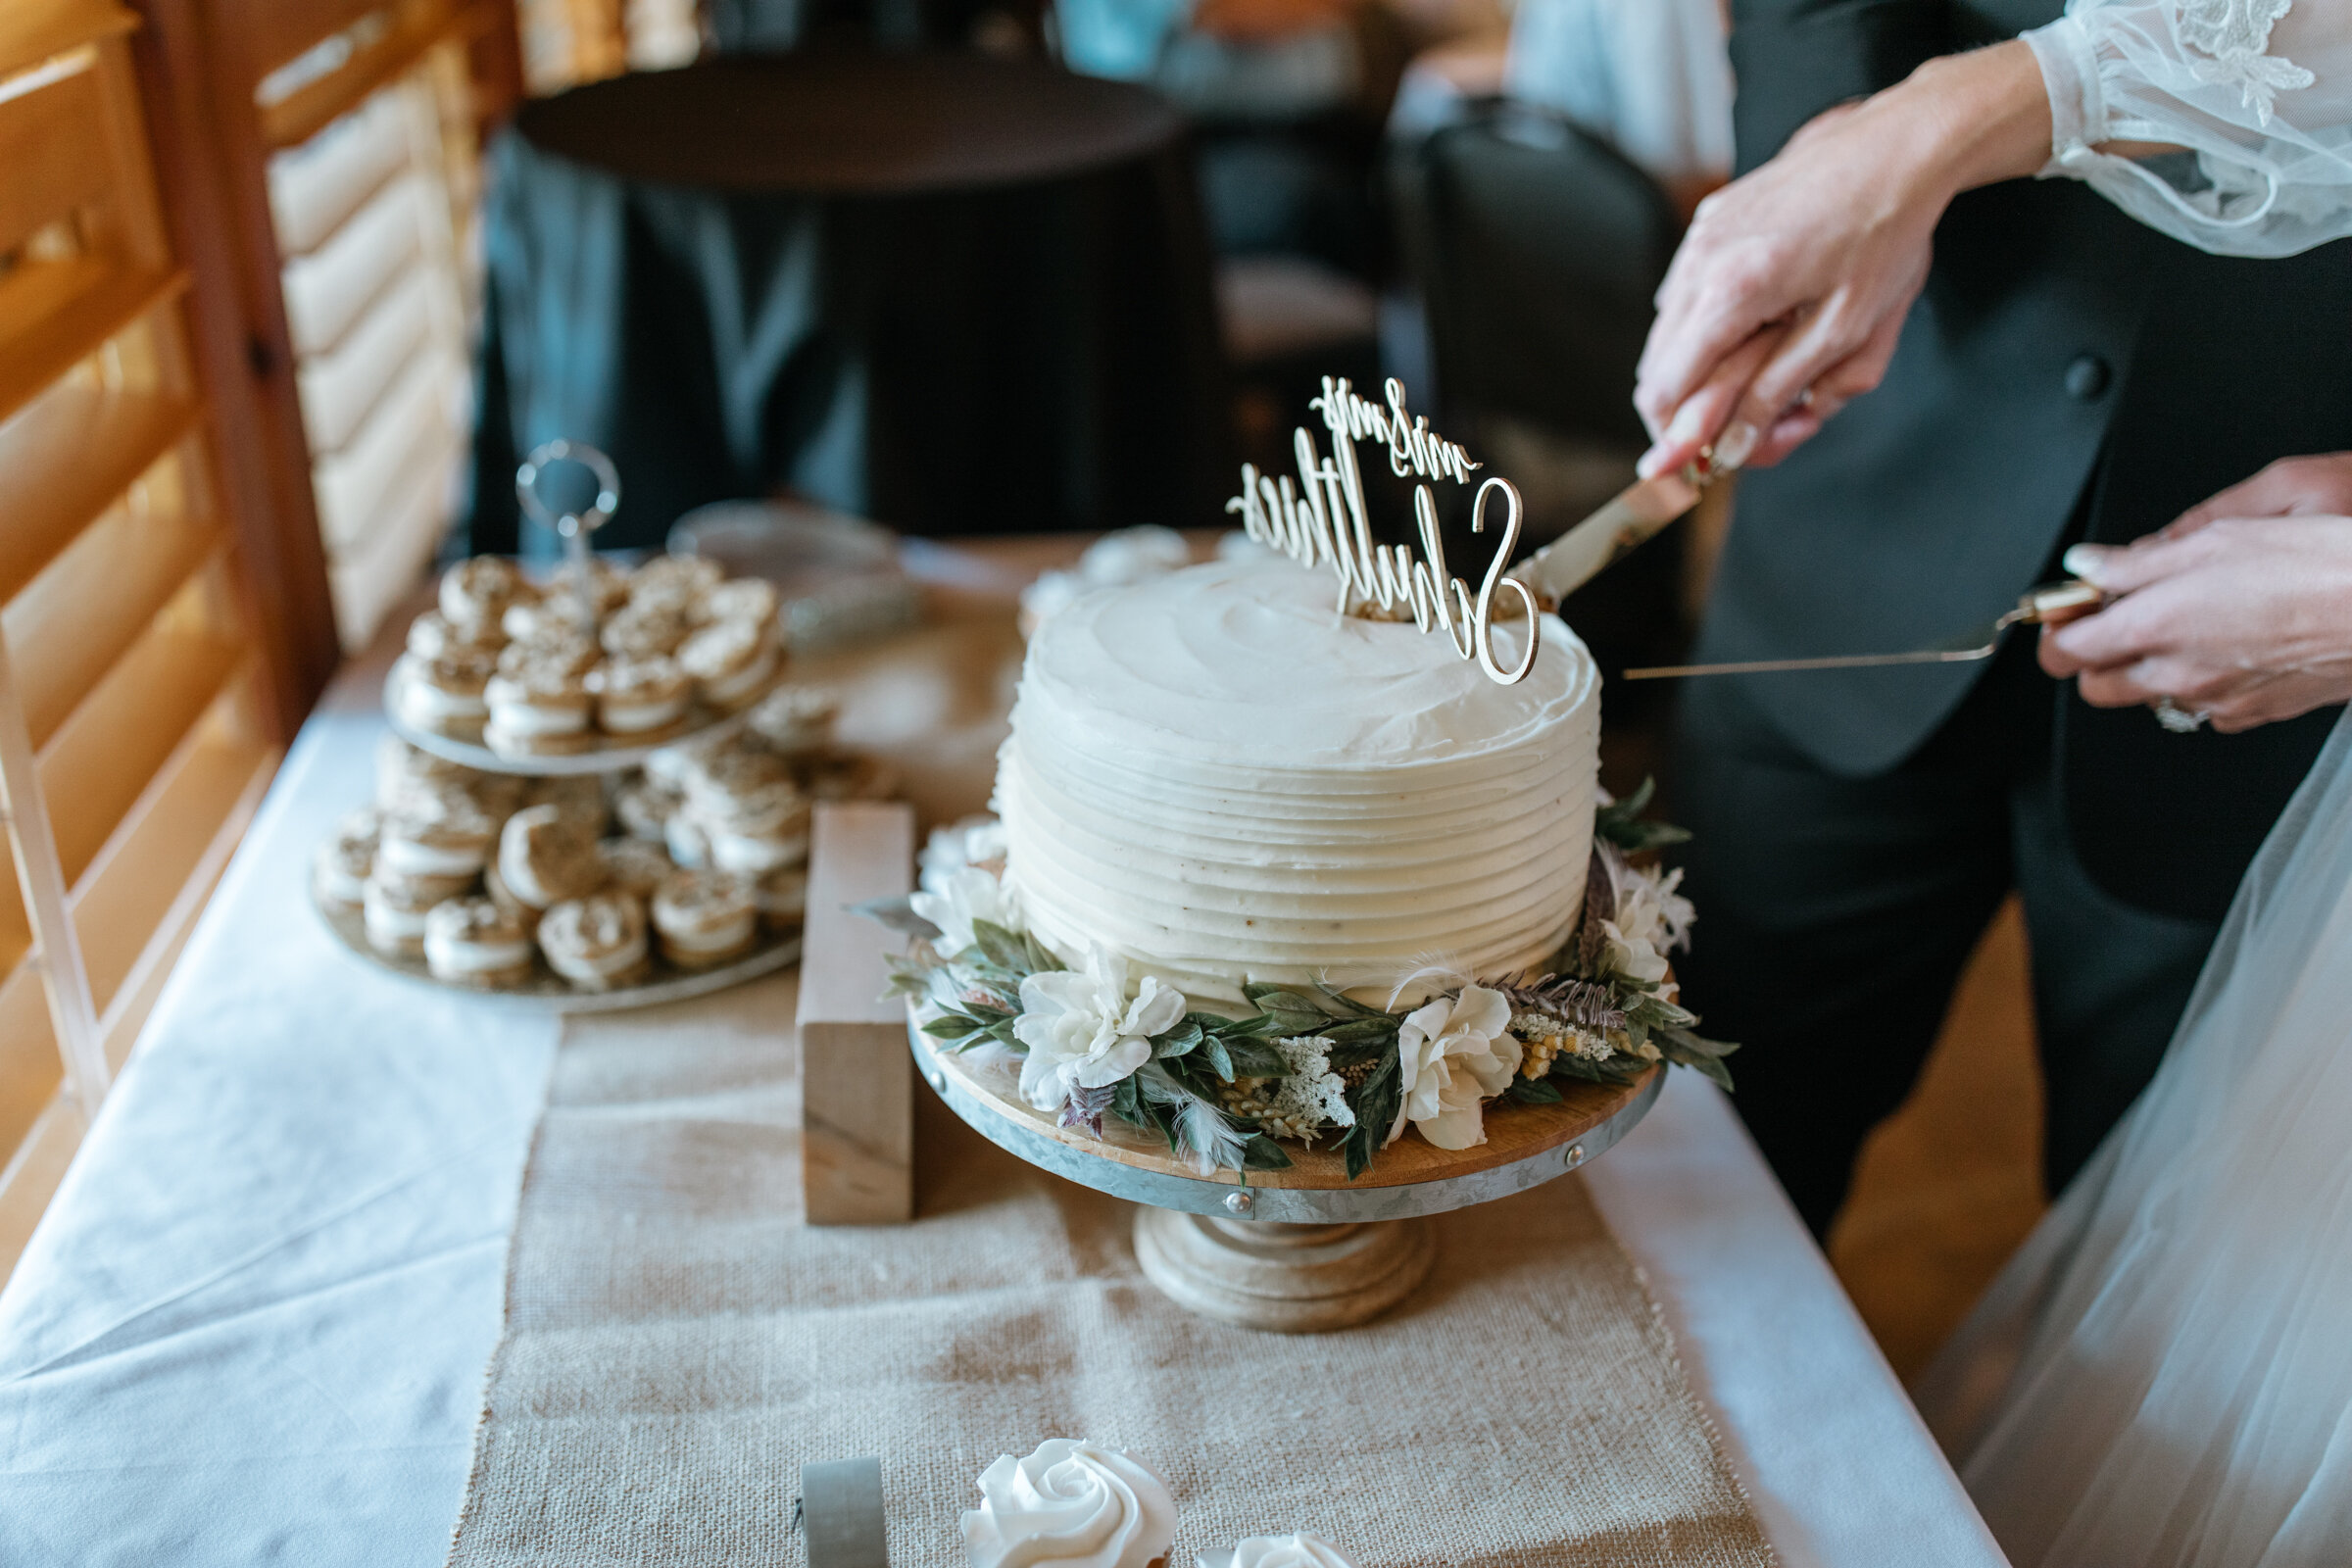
column 2180, row 720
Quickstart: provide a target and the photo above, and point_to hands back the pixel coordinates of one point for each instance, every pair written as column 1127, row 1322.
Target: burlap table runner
column 677, row 1345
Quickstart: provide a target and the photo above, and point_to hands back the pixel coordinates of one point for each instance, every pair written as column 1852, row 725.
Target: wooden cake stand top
column 1526, row 1145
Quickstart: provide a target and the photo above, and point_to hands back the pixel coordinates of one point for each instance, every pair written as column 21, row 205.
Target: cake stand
column 1298, row 1251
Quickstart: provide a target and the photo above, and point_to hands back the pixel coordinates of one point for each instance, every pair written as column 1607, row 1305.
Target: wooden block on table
column 856, row 1076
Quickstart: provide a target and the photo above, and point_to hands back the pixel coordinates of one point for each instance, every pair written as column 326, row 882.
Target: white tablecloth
column 252, row 1326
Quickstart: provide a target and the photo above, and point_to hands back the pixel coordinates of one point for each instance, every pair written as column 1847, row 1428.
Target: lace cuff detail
column 2070, row 75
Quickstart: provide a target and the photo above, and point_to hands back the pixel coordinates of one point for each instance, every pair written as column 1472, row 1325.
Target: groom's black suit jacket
column 2067, row 372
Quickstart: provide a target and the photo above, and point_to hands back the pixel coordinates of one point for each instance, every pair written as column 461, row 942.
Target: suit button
column 2087, row 377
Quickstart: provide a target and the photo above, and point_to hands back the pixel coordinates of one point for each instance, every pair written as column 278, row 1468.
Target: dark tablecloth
column 957, row 294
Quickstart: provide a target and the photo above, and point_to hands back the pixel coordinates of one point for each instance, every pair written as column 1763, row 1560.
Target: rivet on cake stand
column 1299, row 1251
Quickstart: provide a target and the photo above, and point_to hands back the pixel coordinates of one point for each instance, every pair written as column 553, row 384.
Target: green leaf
column 1006, row 948
column 1619, row 822
column 1252, row 1058
column 1035, row 955
column 898, row 914
column 1220, row 1059
column 1180, row 1041
column 952, row 1026
column 1361, row 1031
column 1532, row 1092
column 1261, row 1152
column 1343, row 1007
column 1705, row 1057
column 1600, row 1072
column 1375, row 1102
column 1128, row 1104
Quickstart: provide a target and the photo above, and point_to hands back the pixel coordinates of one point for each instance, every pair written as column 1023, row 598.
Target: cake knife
column 1627, row 518
column 2052, row 605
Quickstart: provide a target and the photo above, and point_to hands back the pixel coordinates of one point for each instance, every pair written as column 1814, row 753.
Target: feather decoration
column 1202, row 1129
column 1431, row 974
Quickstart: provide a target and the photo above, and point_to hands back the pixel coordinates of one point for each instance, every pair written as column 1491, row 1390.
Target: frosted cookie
column 545, row 856
column 538, row 710
column 674, row 579
column 643, row 631
column 644, row 809
column 476, row 942
column 581, row 796
column 607, row 585
column 781, row 897
column 553, row 646
column 557, row 614
column 752, row 853
column 733, row 664
column 714, row 778
column 705, row 918
column 635, row 867
column 395, row 913
column 793, row 720
column 432, row 634
column 445, row 695
column 597, row 942
column 444, row 835
column 641, row 700
column 746, row 598
column 404, row 771
column 667, row 766
column 477, row 592
column 339, row 876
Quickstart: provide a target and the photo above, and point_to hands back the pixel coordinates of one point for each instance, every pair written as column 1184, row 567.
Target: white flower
column 1311, row 1091
column 1288, row 1551
column 961, row 898
column 1083, row 1032
column 950, row 849
column 1453, row 1054
column 1131, row 555
column 1651, row 921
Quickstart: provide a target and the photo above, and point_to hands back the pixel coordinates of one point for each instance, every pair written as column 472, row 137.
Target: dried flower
column 1083, row 1031
column 1453, row 1054
column 961, row 898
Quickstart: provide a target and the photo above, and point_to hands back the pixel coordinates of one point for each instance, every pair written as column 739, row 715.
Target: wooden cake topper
column 1320, row 520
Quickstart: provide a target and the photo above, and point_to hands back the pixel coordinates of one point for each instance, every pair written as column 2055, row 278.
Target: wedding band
column 1804, row 399
column 2180, row 720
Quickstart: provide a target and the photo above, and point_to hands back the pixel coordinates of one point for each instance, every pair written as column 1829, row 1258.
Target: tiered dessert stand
column 1298, row 1251
column 546, row 989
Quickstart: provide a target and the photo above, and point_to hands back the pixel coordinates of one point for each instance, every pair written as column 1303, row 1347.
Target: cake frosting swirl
column 1216, row 777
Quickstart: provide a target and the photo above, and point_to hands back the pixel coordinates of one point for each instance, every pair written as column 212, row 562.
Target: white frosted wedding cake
column 1306, row 844
column 1215, row 776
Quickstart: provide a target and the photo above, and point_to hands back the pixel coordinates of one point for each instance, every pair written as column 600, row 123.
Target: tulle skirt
column 2162, row 1377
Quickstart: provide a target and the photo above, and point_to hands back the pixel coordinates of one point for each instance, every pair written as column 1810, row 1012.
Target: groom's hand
column 2314, row 486
column 2247, row 620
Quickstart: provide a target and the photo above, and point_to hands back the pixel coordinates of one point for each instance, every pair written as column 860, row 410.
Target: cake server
column 2052, row 605
column 1633, row 515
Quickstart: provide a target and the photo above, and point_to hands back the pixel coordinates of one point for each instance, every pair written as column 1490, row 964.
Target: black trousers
column 1835, row 915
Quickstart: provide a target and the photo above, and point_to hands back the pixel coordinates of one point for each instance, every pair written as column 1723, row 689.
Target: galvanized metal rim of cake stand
column 1288, row 1206
column 550, row 993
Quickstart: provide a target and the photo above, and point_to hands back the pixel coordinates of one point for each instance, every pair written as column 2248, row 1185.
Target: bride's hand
column 2246, row 619
column 1830, row 241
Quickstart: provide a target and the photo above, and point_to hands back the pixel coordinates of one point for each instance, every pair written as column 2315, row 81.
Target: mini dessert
column 714, row 778
column 643, row 631
column 545, row 856
column 762, row 829
column 581, row 796
column 644, row 809
column 674, row 579
column 445, row 695
column 747, row 599
column 635, row 867
column 477, row 942
column 477, row 592
column 686, row 842
column 781, row 897
column 445, row 835
column 553, row 646
column 432, row 634
column 395, row 912
column 339, row 878
column 607, row 584
column 538, row 710
column 1072, row 1502
column 641, row 700
column 495, row 889
column 560, row 615
column 732, row 663
column 705, row 918
column 403, row 773
column 597, row 942
column 793, row 721
column 666, row 768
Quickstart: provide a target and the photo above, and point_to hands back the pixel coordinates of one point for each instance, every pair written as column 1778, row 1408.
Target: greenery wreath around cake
column 1309, row 1063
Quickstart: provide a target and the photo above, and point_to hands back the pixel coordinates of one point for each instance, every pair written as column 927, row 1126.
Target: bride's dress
column 2163, row 1376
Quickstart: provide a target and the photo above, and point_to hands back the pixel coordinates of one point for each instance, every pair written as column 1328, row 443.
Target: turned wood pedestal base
column 1291, row 1278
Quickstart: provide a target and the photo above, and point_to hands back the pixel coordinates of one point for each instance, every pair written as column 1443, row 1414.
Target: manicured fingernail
column 2085, row 562
column 1732, row 448
column 1651, row 461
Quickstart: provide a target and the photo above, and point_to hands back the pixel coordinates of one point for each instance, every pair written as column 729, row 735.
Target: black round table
column 954, row 293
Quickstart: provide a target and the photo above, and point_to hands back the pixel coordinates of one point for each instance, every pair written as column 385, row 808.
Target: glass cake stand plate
column 1297, row 1250
column 549, row 991
column 703, row 724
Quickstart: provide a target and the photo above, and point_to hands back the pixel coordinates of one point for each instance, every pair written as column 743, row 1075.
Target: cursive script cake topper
column 1320, row 520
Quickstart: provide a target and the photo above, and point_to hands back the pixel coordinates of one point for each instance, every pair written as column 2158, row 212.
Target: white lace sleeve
column 2257, row 92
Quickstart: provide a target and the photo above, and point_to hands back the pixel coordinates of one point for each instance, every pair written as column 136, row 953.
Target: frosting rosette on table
column 1071, row 1501
column 1288, row 1551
